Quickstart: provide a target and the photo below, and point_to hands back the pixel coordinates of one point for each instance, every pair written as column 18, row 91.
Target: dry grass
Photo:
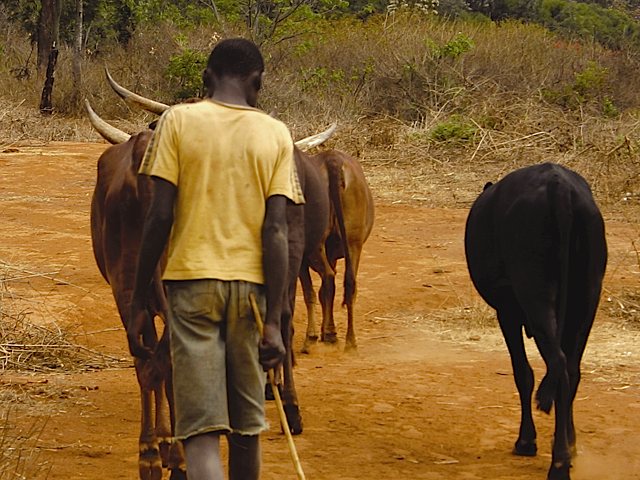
column 387, row 89
column 27, row 345
column 19, row 453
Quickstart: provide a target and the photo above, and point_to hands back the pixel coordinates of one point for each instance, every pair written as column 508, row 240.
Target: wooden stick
column 276, row 394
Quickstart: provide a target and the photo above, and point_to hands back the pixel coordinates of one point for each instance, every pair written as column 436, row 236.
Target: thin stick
column 276, row 394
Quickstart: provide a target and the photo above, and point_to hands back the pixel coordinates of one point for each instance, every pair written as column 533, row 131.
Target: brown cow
column 118, row 207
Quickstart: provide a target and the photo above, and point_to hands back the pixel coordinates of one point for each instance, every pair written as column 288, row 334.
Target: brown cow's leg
column 326, row 295
column 354, row 253
column 163, row 424
column 176, row 463
column 289, row 396
column 350, row 344
column 310, row 301
column 149, row 461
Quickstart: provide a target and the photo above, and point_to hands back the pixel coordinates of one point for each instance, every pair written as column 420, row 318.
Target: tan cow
column 350, row 225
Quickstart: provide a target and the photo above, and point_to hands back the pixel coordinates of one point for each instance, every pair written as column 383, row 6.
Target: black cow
column 536, row 252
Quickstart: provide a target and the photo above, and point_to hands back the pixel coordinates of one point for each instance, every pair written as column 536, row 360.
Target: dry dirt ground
column 429, row 395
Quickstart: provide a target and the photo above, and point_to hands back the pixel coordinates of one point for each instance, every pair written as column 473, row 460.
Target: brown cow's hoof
column 351, row 347
column 331, row 337
column 294, row 419
column 268, row 392
column 150, row 465
column 559, row 471
column 525, row 449
column 308, row 344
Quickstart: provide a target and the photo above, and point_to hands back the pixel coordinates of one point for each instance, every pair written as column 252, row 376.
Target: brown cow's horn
column 317, row 139
column 128, row 96
column 110, row 133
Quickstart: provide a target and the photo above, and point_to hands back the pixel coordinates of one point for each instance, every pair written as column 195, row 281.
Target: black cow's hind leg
column 555, row 386
column 510, row 319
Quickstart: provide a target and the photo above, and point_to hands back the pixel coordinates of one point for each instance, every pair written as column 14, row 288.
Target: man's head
column 235, row 60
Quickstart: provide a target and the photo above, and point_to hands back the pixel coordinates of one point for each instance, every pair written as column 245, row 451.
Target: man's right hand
column 271, row 348
column 138, row 321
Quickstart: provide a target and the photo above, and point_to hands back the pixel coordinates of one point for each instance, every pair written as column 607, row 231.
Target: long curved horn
column 110, row 133
column 128, row 96
column 159, row 108
column 317, row 139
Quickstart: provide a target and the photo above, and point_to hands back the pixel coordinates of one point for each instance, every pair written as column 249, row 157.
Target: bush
column 610, row 27
column 185, row 70
column 456, row 129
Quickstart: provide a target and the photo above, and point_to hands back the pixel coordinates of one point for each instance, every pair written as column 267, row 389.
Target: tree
column 77, row 55
column 48, row 35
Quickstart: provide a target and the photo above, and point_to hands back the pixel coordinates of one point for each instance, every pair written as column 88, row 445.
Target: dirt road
column 429, row 395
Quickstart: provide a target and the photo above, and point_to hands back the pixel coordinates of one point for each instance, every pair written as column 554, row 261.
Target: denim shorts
column 218, row 382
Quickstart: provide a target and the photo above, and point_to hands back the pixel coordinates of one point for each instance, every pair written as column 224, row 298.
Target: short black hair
column 237, row 57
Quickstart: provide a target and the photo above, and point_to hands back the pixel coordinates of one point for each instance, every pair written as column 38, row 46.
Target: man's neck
column 231, row 94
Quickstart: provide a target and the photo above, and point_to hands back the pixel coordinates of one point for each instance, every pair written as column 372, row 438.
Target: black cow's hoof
column 559, row 471
column 178, row 474
column 294, row 419
column 525, row 449
column 330, row 337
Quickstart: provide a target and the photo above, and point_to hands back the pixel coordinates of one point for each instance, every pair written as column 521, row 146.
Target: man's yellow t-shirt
column 225, row 161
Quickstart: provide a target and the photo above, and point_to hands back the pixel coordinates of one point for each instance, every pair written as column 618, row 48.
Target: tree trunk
column 48, row 30
column 46, row 105
column 77, row 56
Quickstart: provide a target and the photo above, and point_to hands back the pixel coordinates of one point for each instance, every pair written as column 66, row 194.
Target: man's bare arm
column 155, row 235
column 275, row 261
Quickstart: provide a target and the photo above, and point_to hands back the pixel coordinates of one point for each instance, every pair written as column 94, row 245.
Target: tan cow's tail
column 336, row 185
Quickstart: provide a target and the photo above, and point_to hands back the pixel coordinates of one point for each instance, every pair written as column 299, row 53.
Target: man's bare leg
column 203, row 457
column 244, row 457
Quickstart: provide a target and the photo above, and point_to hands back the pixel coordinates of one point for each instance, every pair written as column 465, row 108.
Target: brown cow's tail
column 336, row 184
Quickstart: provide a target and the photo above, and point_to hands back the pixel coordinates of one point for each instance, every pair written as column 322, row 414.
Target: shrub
column 456, row 129
column 185, row 70
column 612, row 28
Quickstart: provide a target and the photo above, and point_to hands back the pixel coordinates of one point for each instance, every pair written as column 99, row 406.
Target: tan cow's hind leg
column 350, row 342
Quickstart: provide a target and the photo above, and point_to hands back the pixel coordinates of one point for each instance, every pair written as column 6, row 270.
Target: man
column 223, row 172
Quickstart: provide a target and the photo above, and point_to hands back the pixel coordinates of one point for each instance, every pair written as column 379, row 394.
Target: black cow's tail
column 336, row 185
column 561, row 213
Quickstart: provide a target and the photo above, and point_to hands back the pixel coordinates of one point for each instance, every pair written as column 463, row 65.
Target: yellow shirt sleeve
column 161, row 156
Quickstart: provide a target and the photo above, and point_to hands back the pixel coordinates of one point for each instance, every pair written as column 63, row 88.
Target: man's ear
column 256, row 80
column 207, row 79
